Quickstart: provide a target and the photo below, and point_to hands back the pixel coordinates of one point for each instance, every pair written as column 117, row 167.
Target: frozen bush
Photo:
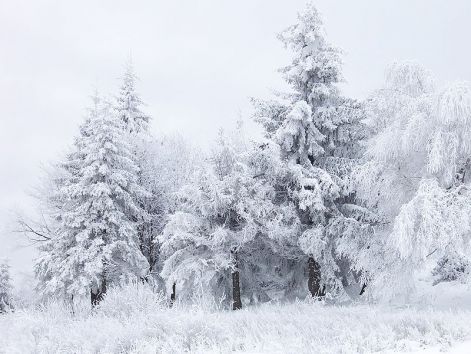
column 126, row 300
column 451, row 268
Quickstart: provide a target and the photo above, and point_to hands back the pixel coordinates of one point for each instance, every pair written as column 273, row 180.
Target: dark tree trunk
column 363, row 288
column 97, row 296
column 314, row 280
column 236, row 301
column 72, row 305
column 173, row 295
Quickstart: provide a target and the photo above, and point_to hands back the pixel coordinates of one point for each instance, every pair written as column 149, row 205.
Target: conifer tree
column 96, row 241
column 5, row 288
column 128, row 110
column 318, row 132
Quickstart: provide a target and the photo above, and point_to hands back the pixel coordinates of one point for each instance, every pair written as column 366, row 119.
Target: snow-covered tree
column 169, row 164
column 416, row 175
column 217, row 221
column 128, row 110
column 6, row 302
column 95, row 243
column 318, row 132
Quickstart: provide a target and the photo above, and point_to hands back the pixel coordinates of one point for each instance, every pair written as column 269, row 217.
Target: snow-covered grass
column 136, row 320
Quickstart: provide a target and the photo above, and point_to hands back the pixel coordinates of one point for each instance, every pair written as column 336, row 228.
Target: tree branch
column 40, row 234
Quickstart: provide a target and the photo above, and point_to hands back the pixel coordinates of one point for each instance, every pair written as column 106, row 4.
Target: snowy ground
column 146, row 325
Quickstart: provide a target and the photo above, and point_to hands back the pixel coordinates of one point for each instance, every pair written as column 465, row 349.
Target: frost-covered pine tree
column 128, row 110
column 6, row 302
column 318, row 132
column 95, row 242
column 416, row 175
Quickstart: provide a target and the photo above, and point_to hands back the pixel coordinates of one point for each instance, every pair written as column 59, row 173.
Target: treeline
column 340, row 198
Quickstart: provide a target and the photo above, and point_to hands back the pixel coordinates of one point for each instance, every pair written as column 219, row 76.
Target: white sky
column 198, row 62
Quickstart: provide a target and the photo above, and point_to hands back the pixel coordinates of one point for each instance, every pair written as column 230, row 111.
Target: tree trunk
column 236, row 301
column 173, row 295
column 98, row 295
column 314, row 280
column 363, row 288
column 72, row 305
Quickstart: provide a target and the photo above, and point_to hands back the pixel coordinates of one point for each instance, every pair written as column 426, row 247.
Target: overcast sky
column 198, row 61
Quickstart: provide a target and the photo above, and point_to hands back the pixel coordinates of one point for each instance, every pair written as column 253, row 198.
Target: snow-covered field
column 140, row 322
